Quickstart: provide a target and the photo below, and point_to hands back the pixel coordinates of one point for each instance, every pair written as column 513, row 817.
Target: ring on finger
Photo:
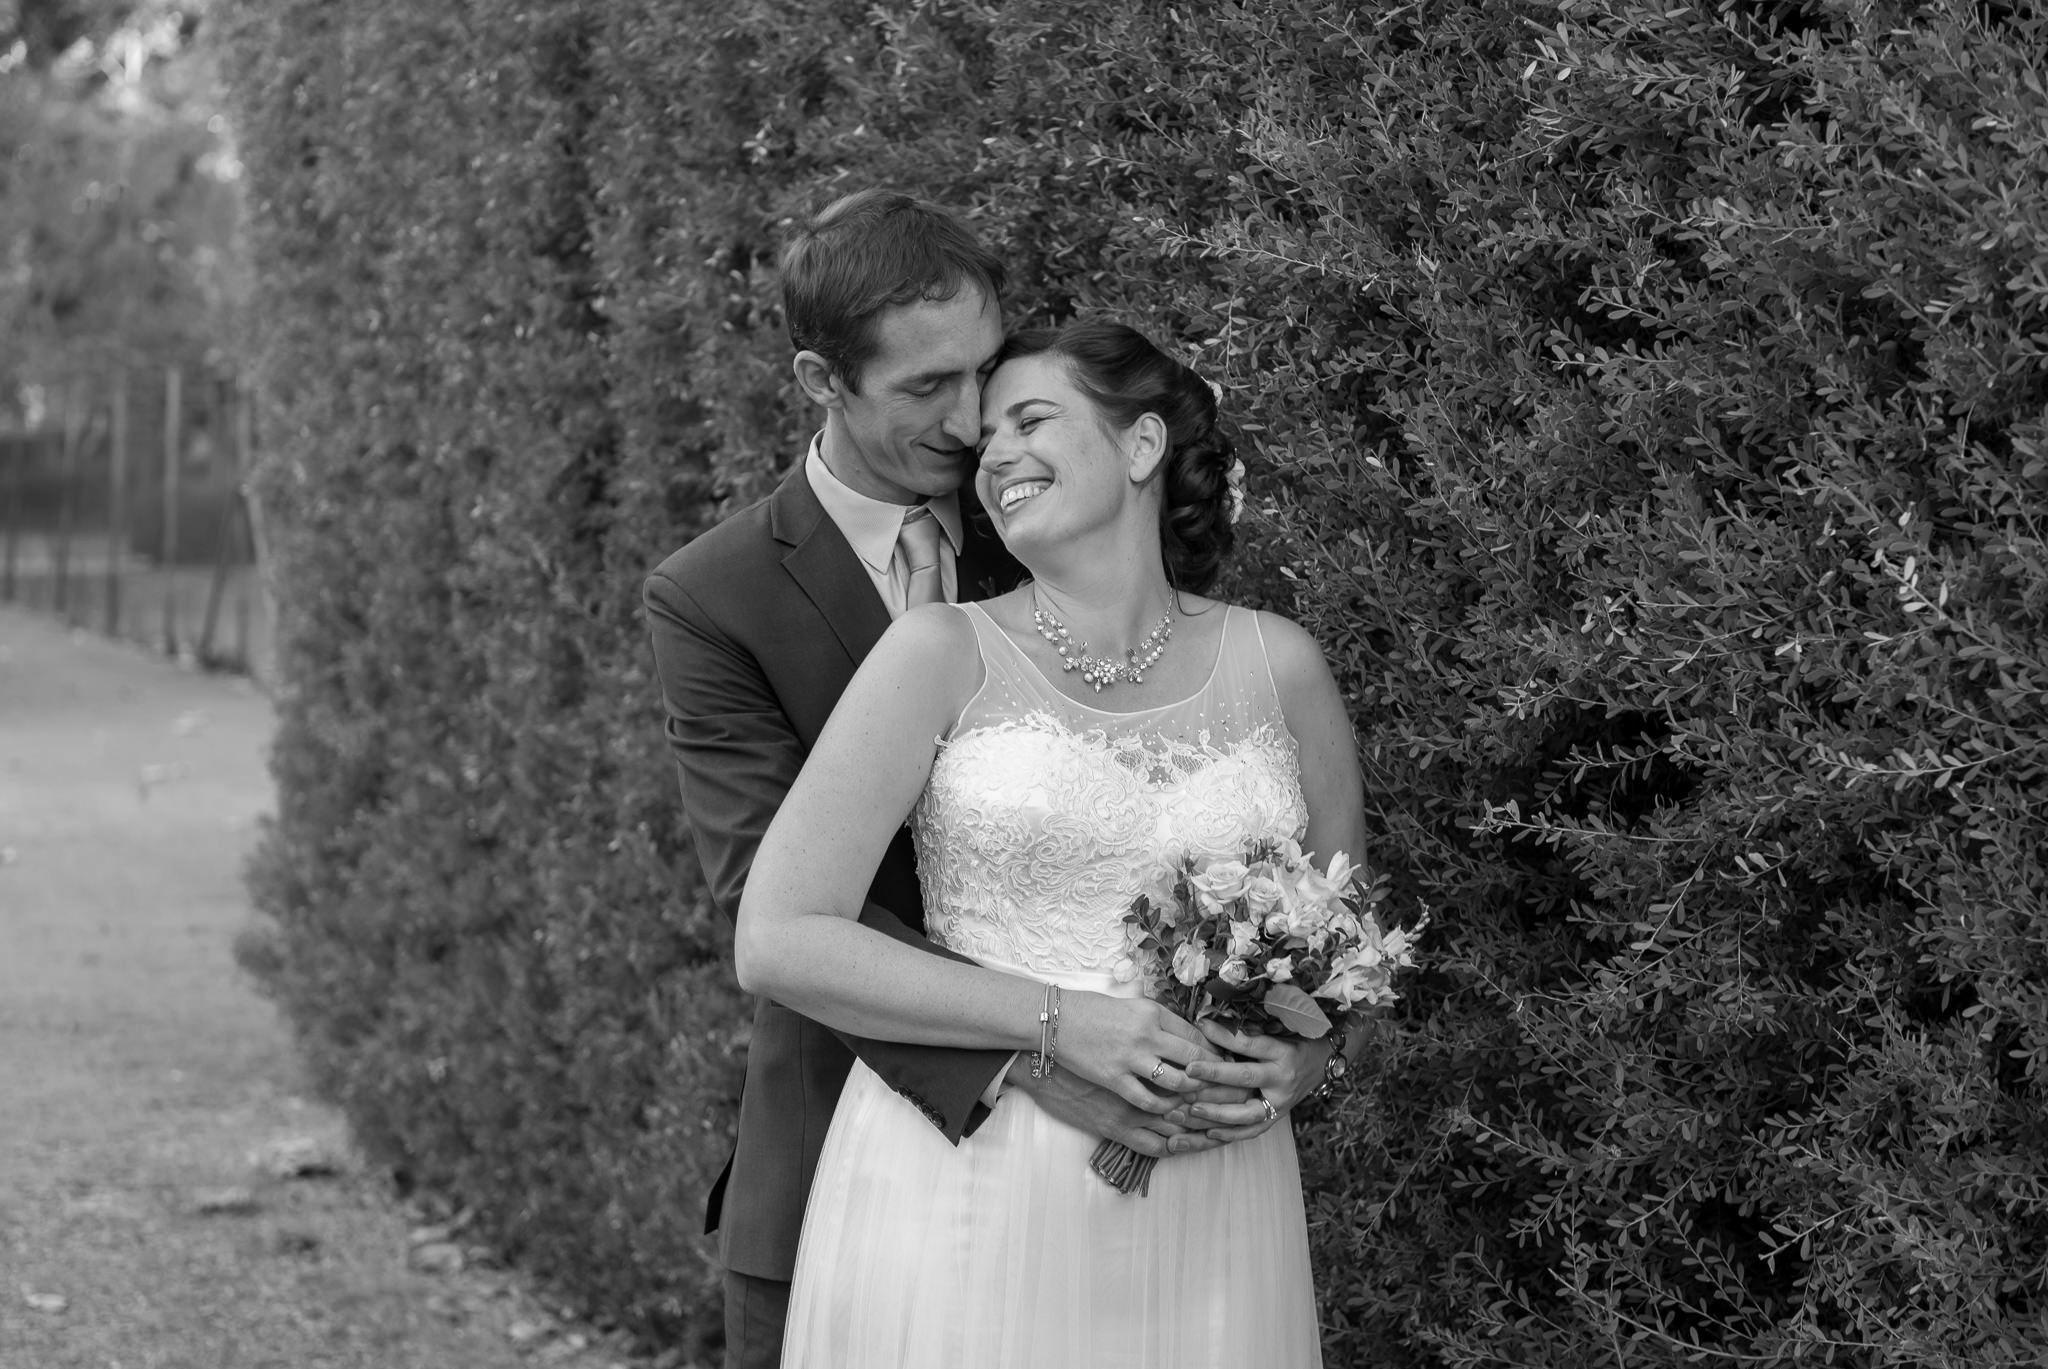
column 1272, row 1113
column 1157, row 1066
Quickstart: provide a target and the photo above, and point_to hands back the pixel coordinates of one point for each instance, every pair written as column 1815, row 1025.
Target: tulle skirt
column 1005, row 1252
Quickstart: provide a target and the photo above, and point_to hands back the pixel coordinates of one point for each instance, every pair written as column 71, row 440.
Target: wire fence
column 129, row 515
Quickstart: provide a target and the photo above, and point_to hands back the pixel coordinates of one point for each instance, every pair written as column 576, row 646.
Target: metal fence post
column 67, row 477
column 117, row 500
column 174, row 419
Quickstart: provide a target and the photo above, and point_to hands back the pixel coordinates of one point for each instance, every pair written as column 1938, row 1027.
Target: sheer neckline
column 1208, row 680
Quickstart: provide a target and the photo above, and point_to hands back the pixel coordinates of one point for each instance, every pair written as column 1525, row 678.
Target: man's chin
column 945, row 475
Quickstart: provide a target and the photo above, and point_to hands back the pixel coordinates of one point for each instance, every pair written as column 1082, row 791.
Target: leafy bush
column 1645, row 409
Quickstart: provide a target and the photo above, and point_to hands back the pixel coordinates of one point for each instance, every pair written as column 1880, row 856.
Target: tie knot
column 919, row 538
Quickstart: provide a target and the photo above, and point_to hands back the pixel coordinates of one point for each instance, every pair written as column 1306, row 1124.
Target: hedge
column 1645, row 407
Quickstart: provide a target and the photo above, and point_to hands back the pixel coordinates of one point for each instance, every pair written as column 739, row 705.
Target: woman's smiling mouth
column 1016, row 494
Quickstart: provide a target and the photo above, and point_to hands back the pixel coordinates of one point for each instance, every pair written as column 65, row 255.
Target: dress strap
column 1010, row 684
column 1242, row 689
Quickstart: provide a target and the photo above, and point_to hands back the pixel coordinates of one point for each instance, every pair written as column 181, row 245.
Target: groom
column 894, row 309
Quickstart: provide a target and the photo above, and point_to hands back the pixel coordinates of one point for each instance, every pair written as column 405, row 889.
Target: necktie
column 918, row 539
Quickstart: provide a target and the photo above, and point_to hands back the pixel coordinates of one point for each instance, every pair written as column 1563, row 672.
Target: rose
column 1235, row 972
column 1221, row 880
column 1308, row 922
column 1190, row 964
column 1261, row 895
column 1280, row 968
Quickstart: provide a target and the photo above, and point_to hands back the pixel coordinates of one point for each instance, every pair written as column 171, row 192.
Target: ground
column 169, row 1199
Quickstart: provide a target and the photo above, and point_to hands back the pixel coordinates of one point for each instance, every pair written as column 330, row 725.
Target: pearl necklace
column 1103, row 671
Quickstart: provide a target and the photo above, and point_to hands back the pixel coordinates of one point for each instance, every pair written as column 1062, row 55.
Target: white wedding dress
column 1040, row 822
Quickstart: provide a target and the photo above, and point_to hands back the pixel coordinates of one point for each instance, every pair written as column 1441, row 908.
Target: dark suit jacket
column 758, row 626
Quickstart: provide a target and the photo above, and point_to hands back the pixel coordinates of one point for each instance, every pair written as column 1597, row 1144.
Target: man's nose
column 963, row 420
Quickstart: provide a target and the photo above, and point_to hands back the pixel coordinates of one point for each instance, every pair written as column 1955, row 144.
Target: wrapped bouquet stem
column 1264, row 944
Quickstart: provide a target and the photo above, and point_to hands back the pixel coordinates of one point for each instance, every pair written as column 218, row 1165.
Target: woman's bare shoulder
column 933, row 645
column 1292, row 653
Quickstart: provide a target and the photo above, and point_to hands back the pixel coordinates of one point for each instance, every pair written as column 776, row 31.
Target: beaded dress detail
column 1043, row 816
column 1040, row 822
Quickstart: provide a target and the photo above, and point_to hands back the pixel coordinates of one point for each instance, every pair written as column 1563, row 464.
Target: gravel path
column 154, row 1209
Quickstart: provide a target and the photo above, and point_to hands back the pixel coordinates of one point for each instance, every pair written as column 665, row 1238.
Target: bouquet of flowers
column 1266, row 944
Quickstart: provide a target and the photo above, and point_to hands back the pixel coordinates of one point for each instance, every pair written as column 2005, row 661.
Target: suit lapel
column 825, row 568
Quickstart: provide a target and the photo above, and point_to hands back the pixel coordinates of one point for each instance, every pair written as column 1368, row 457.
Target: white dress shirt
column 871, row 525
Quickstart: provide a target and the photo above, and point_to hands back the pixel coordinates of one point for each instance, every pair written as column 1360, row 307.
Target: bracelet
column 1054, row 1049
column 1334, row 1070
column 1048, row 1034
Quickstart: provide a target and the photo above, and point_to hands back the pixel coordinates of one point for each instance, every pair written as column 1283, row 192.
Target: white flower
column 1234, row 972
column 1364, row 976
column 1308, row 887
column 1222, row 880
column 1126, row 970
column 1280, row 968
column 1308, row 922
column 1244, row 938
column 1286, row 854
column 1262, row 894
column 1341, row 870
column 1190, row 964
column 1234, row 479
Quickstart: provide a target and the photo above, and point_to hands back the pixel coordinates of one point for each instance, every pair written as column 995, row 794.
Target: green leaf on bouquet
column 1221, row 991
column 1296, row 1011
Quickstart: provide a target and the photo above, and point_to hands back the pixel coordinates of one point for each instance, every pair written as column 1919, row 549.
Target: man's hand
column 1283, row 1072
column 1095, row 1110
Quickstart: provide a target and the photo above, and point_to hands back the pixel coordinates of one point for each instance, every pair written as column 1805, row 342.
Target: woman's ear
column 1147, row 438
column 817, row 379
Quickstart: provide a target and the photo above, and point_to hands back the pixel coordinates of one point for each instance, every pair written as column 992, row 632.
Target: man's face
column 911, row 431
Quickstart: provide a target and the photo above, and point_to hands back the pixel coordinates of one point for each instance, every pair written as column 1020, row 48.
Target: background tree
column 120, row 207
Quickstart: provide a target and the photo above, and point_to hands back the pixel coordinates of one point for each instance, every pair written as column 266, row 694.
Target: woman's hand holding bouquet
column 1265, row 946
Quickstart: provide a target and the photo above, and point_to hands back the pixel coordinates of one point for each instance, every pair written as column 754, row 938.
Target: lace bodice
column 1043, row 817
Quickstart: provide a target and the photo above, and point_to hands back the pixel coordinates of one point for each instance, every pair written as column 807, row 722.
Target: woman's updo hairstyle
column 1127, row 377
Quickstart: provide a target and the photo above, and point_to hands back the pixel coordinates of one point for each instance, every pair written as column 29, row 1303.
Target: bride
column 1051, row 746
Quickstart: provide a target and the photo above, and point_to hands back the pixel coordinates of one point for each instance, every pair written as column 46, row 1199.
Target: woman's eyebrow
column 1014, row 410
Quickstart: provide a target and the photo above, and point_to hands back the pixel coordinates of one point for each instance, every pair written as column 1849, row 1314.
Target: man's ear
column 1147, row 439
column 818, row 380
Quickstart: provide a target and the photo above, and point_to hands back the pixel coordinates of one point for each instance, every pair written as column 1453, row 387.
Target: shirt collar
column 871, row 525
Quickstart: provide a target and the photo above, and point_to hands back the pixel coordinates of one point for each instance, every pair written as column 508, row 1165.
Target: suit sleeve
column 737, row 755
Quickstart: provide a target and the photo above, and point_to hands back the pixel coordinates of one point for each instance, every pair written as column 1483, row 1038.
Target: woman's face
column 1051, row 467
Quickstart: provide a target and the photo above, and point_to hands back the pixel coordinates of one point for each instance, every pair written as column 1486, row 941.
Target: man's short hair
column 869, row 252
